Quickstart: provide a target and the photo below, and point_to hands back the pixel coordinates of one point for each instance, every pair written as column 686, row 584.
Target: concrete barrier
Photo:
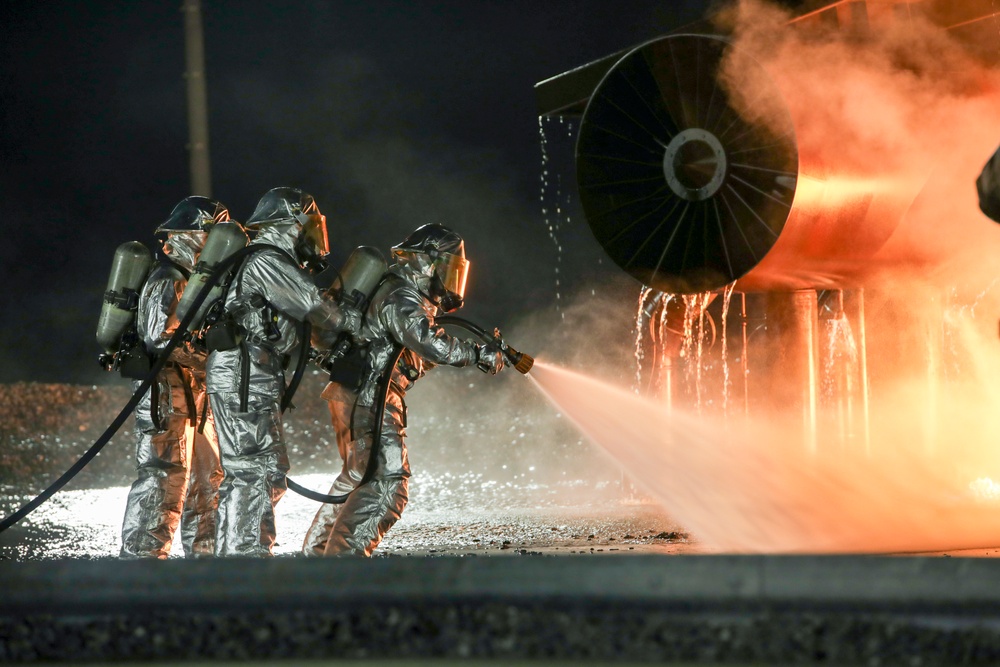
column 714, row 609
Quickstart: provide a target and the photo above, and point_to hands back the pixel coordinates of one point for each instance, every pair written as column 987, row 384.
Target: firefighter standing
column 271, row 294
column 177, row 464
column 428, row 278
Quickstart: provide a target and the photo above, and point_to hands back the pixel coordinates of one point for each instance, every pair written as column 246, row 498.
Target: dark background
column 392, row 114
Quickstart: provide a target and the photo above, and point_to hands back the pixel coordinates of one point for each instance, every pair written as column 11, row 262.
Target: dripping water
column 727, row 296
column 554, row 199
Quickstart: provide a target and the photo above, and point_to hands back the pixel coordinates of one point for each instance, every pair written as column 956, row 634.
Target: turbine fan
column 685, row 181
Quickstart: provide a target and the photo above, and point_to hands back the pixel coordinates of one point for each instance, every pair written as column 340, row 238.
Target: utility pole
column 197, row 99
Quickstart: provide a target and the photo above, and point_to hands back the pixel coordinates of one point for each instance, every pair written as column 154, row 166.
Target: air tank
column 224, row 239
column 359, row 277
column 129, row 268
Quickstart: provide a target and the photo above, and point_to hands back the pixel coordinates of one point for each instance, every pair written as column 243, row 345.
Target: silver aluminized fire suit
column 399, row 314
column 245, row 385
column 178, row 468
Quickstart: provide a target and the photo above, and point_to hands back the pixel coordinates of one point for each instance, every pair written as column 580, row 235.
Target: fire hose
column 179, row 337
column 522, row 362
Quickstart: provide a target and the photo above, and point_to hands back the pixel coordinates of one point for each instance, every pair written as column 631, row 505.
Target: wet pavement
column 447, row 515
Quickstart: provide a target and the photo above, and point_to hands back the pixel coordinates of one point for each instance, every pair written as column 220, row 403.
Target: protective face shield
column 445, row 263
column 312, row 244
column 450, row 275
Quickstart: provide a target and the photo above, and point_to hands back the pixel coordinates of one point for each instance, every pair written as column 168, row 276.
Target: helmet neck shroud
column 295, row 214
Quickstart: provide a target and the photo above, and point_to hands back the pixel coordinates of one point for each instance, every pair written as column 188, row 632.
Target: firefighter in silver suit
column 271, row 294
column 177, row 457
column 427, row 279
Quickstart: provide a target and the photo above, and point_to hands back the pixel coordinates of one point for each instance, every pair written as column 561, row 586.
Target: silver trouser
column 372, row 508
column 167, row 455
column 340, row 401
column 255, row 460
column 198, row 518
column 370, row 511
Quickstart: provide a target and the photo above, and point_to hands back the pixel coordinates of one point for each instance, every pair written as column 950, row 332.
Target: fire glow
column 892, row 126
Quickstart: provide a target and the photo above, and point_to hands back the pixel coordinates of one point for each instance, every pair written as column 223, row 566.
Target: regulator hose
column 116, row 424
column 300, row 367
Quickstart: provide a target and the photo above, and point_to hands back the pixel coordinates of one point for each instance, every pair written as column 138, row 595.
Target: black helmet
column 280, row 205
column 194, row 214
column 445, row 251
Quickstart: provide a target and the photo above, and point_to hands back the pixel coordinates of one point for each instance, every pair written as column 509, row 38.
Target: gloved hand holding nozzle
column 489, row 356
column 494, row 354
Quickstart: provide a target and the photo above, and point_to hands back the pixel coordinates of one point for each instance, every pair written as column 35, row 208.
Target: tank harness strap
column 244, row 375
column 154, row 403
column 369, row 371
column 268, row 317
column 204, row 416
column 192, row 409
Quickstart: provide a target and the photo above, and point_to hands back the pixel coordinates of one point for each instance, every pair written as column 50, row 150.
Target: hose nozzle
column 521, row 362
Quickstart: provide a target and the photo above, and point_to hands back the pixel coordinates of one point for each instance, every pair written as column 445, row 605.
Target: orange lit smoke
column 752, row 487
column 903, row 109
column 905, row 112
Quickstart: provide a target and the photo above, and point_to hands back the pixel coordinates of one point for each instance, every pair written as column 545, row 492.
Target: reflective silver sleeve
column 286, row 287
column 405, row 315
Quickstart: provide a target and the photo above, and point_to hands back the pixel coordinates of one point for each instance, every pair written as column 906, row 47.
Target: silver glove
column 489, row 357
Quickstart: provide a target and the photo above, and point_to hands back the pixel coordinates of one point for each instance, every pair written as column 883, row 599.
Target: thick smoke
column 902, row 101
column 901, row 104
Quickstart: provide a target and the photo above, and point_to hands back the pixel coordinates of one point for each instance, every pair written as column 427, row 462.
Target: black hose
column 300, row 367
column 462, row 323
column 373, row 452
column 116, row 424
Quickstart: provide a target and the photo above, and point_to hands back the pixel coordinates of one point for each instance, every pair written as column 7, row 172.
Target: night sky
column 392, row 114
